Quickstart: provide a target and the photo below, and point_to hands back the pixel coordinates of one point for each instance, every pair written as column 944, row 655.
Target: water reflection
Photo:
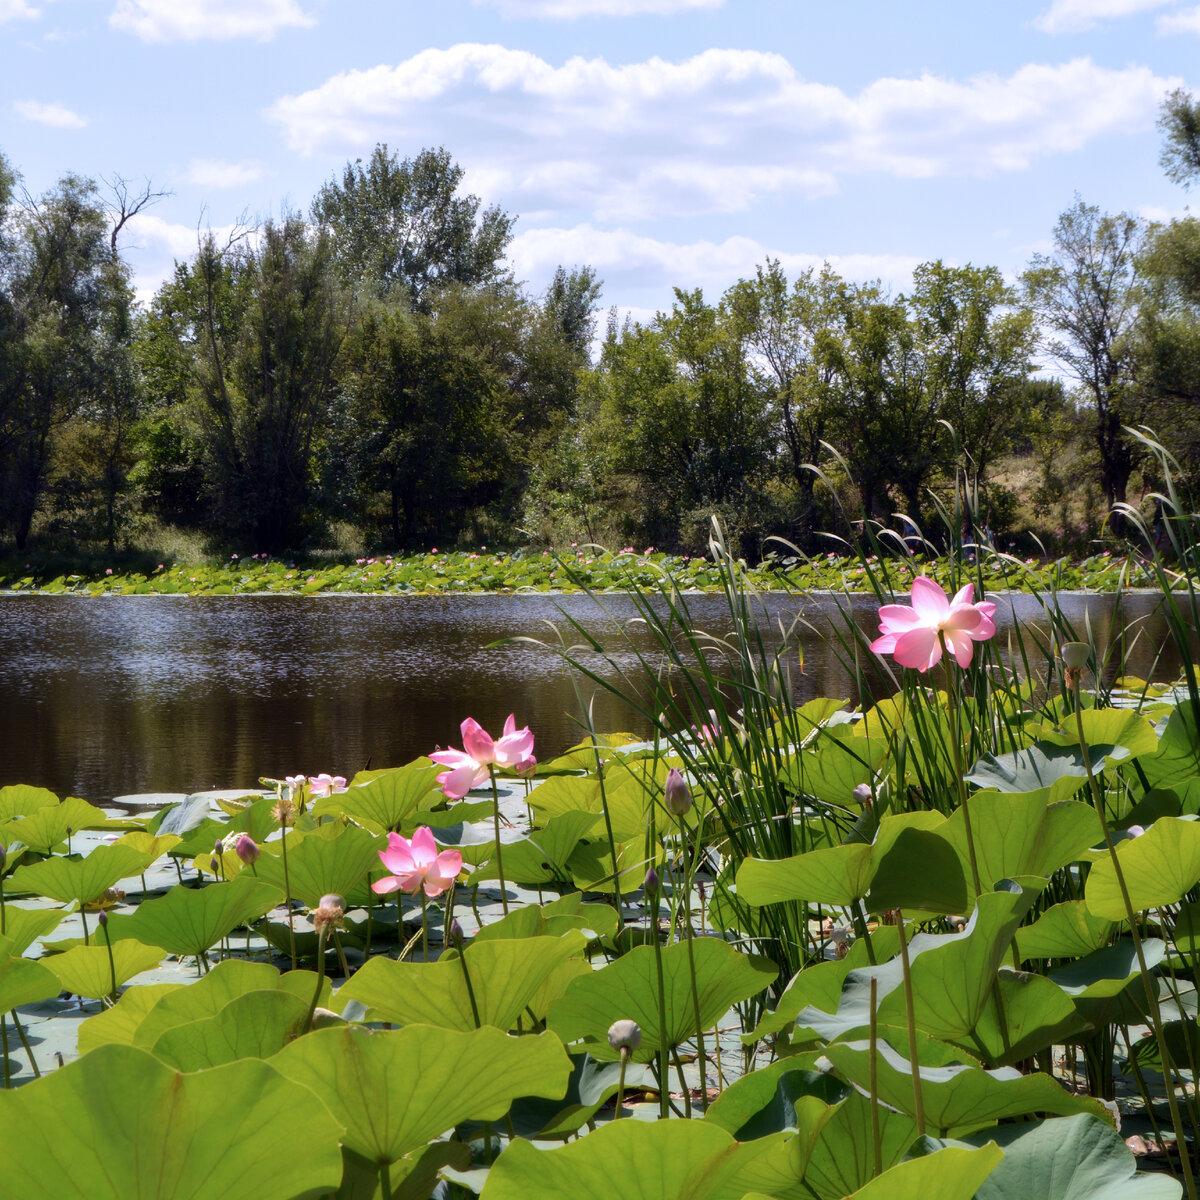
column 106, row 696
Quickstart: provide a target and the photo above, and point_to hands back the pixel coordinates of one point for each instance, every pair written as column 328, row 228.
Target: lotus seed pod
column 676, row 794
column 1075, row 654
column 333, row 900
column 624, row 1035
column 247, row 849
column 650, row 883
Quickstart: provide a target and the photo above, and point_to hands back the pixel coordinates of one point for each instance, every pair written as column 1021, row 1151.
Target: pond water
column 102, row 697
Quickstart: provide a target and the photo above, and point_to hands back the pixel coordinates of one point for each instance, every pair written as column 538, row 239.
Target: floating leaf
column 1059, row 770
column 505, row 976
column 627, row 989
column 396, row 1090
column 119, row 1125
column 22, row 980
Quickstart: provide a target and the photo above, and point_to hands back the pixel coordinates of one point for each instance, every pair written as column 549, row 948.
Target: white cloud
column 1075, row 16
column 624, row 259
column 188, row 20
column 216, row 173
column 571, row 9
column 56, row 115
column 11, row 10
column 709, row 133
column 1187, row 21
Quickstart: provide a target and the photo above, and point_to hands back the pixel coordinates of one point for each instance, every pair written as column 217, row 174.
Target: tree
column 1179, row 120
column 571, row 304
column 977, row 343
column 258, row 329
column 400, row 229
column 1089, row 295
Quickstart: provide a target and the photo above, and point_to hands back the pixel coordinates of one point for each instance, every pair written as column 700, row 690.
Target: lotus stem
column 462, row 958
column 911, row 1020
column 876, row 1145
column 424, row 925
column 83, row 918
column 652, row 897
column 608, row 829
column 1155, row 1013
column 341, row 953
column 25, row 1042
column 112, row 966
column 3, row 914
column 385, row 1179
column 496, row 827
column 621, row 1083
column 687, row 924
column 312, row 1008
column 4, row 1050
column 287, row 898
column 952, row 695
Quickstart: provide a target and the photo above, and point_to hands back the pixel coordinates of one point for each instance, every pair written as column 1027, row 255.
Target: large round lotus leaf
column 834, row 875
column 842, row 1158
column 505, row 976
column 957, row 1099
column 80, row 880
column 950, row 1174
column 1099, row 982
column 208, row 996
column 19, row 800
column 47, row 827
column 552, row 920
column 627, row 989
column 1160, row 868
column 623, row 1160
column 1021, row 835
column 329, row 859
column 117, row 1024
column 23, row 926
column 190, row 921
column 765, row 1101
column 1120, row 732
column 255, row 1025
column 1036, row 1014
column 1178, row 757
column 1057, row 772
column 87, row 970
column 396, row 1090
column 119, row 1125
column 919, row 870
column 1075, row 1158
column 838, row 763
column 153, row 846
column 1066, row 930
column 542, row 856
column 22, row 980
column 564, row 794
column 382, row 801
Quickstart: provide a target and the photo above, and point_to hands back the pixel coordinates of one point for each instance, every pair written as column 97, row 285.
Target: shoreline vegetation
column 580, row 570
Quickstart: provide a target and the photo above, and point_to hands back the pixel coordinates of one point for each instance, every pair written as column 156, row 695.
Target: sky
column 666, row 143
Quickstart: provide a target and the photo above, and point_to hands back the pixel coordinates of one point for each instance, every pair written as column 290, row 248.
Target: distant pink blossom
column 416, row 864
column 326, row 785
column 469, row 766
column 913, row 636
column 108, row 570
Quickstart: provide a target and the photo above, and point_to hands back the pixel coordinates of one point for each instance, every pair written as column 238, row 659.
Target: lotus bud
column 1135, row 831
column 247, row 849
column 103, row 918
column 219, row 848
column 456, row 933
column 676, row 794
column 625, row 1035
column 864, row 795
column 1075, row 654
column 650, row 883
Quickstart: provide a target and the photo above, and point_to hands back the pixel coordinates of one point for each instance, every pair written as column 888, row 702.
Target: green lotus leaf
column 382, row 802
column 764, row 1101
column 209, row 995
column 1072, row 1158
column 621, row 1159
column 190, row 921
column 23, row 926
column 842, row 1158
column 566, row 794
column 505, row 976
column 951, row 974
column 1036, row 1014
column 627, row 989
column 1178, row 756
column 184, row 817
column 1120, row 728
column 592, row 865
column 1021, row 835
column 254, row 1025
column 954, row 1173
column 119, row 1023
column 153, row 846
column 913, row 866
column 19, row 800
column 1183, row 1048
column 1099, row 982
column 329, row 859
column 119, row 1125
column 396, row 1090
column 1066, row 930
column 631, row 788
column 1160, row 868
column 23, row 980
column 957, row 1099
column 542, row 856
column 1056, row 771
column 47, row 827
column 414, row 1177
column 835, row 875
column 87, row 971
column 80, row 880
column 839, row 761
column 551, row 920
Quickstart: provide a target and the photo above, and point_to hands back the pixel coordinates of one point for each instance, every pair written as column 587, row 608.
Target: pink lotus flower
column 911, row 635
column 417, row 864
column 469, row 766
column 326, row 785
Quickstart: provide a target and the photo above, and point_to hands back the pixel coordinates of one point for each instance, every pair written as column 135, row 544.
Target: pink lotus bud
column 456, row 933
column 103, row 918
column 862, row 794
column 650, row 883
column 247, row 849
column 677, row 796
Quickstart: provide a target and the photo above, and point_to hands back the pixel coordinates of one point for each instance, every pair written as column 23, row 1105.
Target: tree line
column 372, row 366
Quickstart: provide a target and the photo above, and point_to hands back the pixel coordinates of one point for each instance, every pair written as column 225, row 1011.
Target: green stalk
column 312, row 1008
column 663, row 1098
column 876, row 1144
column 496, row 827
column 462, row 958
column 952, row 694
column 385, row 1179
column 4, row 1048
column 621, row 1083
column 910, row 1018
column 1156, row 1022
column 25, row 1042
column 687, row 924
column 424, row 924
column 287, row 888
column 112, row 966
